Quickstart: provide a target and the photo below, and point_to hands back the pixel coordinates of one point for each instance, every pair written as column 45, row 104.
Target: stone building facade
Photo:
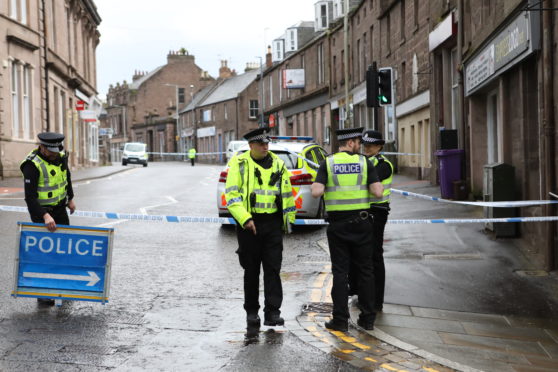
column 145, row 110
column 47, row 51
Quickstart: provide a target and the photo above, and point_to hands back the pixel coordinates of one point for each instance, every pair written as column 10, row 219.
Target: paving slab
column 490, row 343
column 395, row 320
column 516, row 333
column 459, row 316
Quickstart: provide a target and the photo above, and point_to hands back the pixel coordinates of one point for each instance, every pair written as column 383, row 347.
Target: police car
column 302, row 160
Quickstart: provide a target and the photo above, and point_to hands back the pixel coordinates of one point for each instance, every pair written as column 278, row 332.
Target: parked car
column 134, row 153
column 232, row 147
column 303, row 174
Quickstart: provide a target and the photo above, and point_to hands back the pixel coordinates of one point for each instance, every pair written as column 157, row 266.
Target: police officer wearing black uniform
column 346, row 179
column 48, row 185
column 379, row 208
column 259, row 197
column 47, row 182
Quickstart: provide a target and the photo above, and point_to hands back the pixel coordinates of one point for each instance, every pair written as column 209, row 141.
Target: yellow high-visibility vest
column 53, row 181
column 347, row 186
column 242, row 182
column 386, row 183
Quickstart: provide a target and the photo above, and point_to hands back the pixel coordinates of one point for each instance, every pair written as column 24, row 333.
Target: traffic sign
column 71, row 263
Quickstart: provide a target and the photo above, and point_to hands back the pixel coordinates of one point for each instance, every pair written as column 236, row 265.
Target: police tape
column 399, row 153
column 184, row 153
column 230, row 220
column 499, row 204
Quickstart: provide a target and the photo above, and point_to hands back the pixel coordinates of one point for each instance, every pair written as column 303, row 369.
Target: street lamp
column 261, row 93
column 178, row 126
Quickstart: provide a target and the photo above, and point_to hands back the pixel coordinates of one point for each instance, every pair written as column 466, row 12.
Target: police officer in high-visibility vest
column 259, row 197
column 346, row 179
column 379, row 208
column 48, row 184
column 192, row 155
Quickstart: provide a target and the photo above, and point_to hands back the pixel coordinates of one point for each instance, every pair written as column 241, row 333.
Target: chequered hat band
column 347, row 136
column 260, row 137
column 50, row 144
column 371, row 139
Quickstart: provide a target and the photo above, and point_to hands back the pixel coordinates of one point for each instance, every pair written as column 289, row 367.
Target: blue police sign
column 70, row 263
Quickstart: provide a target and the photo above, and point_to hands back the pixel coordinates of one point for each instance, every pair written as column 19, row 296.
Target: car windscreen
column 133, row 147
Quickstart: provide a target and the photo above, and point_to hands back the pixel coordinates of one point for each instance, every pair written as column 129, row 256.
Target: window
column 364, row 45
column 403, row 80
column 323, row 16
column 253, row 109
column 402, row 20
column 26, row 102
column 416, row 11
column 181, row 95
column 93, row 142
column 270, row 82
column 358, row 52
column 334, row 71
column 321, row 65
column 18, row 10
column 226, row 113
column 372, row 43
column 206, row 115
column 16, row 93
column 293, row 44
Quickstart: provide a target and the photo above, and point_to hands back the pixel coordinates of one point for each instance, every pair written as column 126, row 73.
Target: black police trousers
column 349, row 244
column 58, row 213
column 380, row 215
column 265, row 249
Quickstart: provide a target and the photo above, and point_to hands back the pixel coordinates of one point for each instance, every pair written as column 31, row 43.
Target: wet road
column 176, row 289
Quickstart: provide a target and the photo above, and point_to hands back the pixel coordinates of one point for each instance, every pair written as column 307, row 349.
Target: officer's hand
column 72, row 206
column 49, row 222
column 250, row 225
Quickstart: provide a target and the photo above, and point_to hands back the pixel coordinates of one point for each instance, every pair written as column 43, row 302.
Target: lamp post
column 194, row 134
column 178, row 126
column 261, row 93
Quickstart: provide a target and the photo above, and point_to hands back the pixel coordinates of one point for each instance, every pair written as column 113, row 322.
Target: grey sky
column 138, row 34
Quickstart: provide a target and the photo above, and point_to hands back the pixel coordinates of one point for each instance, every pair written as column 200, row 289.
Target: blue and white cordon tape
column 230, row 221
column 502, row 204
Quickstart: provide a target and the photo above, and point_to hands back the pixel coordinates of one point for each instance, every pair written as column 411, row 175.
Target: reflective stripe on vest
column 385, row 183
column 346, row 187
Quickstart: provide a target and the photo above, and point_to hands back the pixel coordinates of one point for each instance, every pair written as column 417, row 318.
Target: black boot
column 274, row 320
column 367, row 324
column 253, row 320
column 337, row 325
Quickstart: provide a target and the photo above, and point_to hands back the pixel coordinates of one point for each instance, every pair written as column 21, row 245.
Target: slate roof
column 230, row 88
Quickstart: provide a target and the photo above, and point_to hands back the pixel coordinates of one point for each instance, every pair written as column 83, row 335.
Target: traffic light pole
column 372, row 92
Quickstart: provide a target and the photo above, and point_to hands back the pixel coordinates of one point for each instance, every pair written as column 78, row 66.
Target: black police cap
column 372, row 137
column 52, row 141
column 257, row 135
column 348, row 133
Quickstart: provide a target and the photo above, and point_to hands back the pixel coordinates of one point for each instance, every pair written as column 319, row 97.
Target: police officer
column 192, row 155
column 259, row 197
column 379, row 208
column 48, row 184
column 345, row 179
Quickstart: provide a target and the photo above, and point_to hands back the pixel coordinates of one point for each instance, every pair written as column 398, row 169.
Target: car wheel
column 145, row 164
column 123, row 162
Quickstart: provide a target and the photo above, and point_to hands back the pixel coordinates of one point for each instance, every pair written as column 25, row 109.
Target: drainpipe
column 548, row 131
column 45, row 67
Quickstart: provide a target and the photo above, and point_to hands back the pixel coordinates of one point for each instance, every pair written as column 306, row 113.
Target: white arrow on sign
column 92, row 278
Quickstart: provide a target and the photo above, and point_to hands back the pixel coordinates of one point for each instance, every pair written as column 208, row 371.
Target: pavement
column 419, row 338
column 415, row 338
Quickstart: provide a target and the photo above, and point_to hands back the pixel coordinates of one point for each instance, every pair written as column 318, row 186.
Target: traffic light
column 372, row 86
column 385, row 86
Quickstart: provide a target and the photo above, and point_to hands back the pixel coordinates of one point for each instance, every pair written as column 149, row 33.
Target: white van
column 134, row 153
column 233, row 147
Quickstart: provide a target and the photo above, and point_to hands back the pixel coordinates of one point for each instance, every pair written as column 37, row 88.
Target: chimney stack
column 224, row 71
column 268, row 57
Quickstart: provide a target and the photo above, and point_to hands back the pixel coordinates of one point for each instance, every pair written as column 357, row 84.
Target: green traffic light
column 383, row 99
